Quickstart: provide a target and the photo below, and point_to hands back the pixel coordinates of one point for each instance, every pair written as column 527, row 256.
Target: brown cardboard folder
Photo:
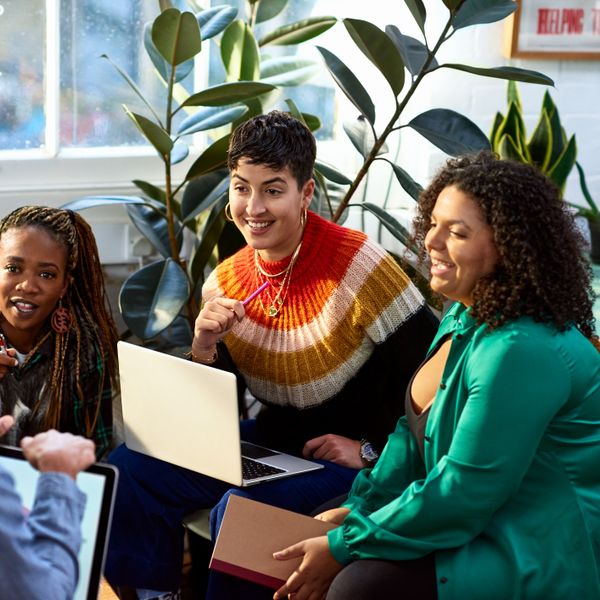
column 252, row 531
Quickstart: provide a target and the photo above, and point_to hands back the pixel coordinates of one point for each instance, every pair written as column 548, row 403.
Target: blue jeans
column 146, row 541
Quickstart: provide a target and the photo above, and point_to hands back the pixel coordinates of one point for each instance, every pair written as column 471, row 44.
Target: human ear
column 308, row 190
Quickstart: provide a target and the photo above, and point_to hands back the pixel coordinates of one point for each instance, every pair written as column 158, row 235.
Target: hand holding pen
column 217, row 317
column 7, row 357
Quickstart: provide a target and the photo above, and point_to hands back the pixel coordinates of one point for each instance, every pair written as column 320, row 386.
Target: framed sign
column 555, row 29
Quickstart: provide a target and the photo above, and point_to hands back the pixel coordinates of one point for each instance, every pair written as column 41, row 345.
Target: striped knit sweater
column 346, row 297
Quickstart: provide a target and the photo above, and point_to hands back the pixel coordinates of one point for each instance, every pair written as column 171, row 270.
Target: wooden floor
column 106, row 592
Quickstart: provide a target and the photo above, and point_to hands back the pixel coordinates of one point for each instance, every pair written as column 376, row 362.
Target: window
column 57, row 92
column 63, row 131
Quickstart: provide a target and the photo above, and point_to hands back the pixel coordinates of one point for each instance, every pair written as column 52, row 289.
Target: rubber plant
column 163, row 296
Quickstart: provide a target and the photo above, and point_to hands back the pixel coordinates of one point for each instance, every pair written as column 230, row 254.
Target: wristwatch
column 367, row 452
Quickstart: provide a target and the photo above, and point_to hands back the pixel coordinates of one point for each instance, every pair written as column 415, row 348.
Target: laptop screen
column 98, row 483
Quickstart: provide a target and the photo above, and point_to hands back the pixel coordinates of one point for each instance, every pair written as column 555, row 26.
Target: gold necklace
column 282, row 272
column 276, row 302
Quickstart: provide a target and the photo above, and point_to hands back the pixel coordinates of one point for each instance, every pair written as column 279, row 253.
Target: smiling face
column 267, row 208
column 460, row 245
column 32, row 279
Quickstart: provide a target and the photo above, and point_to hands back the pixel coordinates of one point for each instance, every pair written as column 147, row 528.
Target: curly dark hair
column 542, row 271
column 276, row 140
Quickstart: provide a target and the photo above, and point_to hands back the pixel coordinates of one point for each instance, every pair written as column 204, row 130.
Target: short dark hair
column 276, row 140
column 542, row 271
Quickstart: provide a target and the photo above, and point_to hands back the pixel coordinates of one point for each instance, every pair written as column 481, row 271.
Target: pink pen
column 2, row 345
column 253, row 295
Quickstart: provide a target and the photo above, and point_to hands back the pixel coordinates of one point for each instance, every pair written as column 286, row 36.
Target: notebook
column 98, row 483
column 187, row 414
column 251, row 531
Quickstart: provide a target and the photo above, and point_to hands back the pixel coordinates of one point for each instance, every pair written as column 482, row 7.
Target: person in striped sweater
column 327, row 348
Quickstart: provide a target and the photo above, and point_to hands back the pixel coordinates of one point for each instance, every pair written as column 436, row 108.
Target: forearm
column 39, row 553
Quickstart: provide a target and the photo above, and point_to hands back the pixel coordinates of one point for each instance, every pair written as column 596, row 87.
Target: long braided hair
column 93, row 332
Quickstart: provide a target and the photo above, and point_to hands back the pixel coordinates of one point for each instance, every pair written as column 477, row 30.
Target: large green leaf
column 508, row 149
column 132, row 85
column 311, row 121
column 214, row 20
column 417, row 9
column 155, row 134
column 239, row 52
column 513, row 96
column 228, row 93
column 286, row 71
column 202, row 192
column 414, row 53
column 95, row 201
column 512, row 73
column 213, row 158
column 152, row 297
column 390, row 223
column 540, row 144
column 209, row 118
column 152, row 224
column 561, row 169
column 180, row 152
column 267, row 9
column 331, row 173
column 450, row 131
column 176, row 36
column 453, row 4
column 178, row 334
column 209, row 238
column 379, row 49
column 477, row 12
column 586, row 193
column 151, row 190
column 349, row 84
column 298, row 32
column 498, row 120
column 513, row 126
column 161, row 65
column 409, row 185
column 559, row 139
column 361, row 136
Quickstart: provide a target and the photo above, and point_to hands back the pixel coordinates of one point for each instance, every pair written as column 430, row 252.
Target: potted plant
column 163, row 296
column 549, row 149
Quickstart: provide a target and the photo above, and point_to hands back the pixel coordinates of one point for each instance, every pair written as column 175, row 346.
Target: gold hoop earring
column 228, row 214
column 303, row 218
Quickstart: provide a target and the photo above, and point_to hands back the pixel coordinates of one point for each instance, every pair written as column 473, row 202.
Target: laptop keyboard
column 252, row 469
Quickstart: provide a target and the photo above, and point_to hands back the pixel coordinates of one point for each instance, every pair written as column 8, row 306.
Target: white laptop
column 98, row 482
column 187, row 414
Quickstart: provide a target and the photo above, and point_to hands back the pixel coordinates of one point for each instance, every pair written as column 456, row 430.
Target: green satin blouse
column 508, row 493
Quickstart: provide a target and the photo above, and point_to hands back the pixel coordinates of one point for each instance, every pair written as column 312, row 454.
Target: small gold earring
column 228, row 214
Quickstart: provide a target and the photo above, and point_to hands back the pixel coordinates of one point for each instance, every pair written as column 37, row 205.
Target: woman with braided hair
column 58, row 354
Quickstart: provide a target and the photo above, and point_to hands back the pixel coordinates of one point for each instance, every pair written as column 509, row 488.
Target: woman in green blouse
column 490, row 486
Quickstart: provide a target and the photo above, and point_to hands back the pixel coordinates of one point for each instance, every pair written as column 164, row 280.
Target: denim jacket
column 38, row 551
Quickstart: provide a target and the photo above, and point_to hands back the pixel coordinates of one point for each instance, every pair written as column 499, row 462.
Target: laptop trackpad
column 253, row 451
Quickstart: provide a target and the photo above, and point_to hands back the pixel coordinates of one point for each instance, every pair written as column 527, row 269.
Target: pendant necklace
column 276, row 302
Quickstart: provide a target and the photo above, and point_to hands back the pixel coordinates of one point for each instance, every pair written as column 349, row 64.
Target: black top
column 416, row 422
column 368, row 406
